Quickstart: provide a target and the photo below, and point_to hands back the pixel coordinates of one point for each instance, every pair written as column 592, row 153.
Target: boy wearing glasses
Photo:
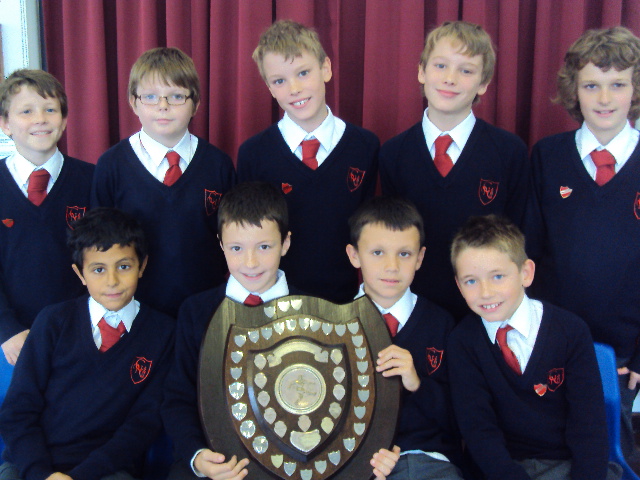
column 171, row 180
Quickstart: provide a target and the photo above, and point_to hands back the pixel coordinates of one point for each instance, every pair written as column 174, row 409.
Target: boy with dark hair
column 84, row 402
column 451, row 164
column 170, row 179
column 586, row 226
column 387, row 236
column 253, row 224
column 524, row 378
column 324, row 166
column 41, row 192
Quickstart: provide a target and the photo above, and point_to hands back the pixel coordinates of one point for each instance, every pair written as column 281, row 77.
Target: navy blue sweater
column 35, row 263
column 426, row 419
column 72, row 409
column 320, row 203
column 491, row 176
column 588, row 242
column 180, row 221
column 503, row 418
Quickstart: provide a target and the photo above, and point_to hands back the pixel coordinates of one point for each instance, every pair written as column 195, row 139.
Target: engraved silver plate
column 270, row 415
column 359, row 428
column 260, row 380
column 338, row 374
column 236, row 372
column 304, row 423
column 296, row 304
column 300, row 389
column 284, row 305
column 327, row 424
column 236, row 356
column 236, row 390
column 266, row 332
column 277, row 460
column 247, row 428
column 291, row 324
column 306, row 474
column 263, row 398
column 357, row 340
column 327, row 328
column 362, row 366
column 363, row 395
column 260, row 361
column 341, row 329
column 279, row 327
column 260, row 444
column 335, row 409
column 314, row 325
column 304, row 323
column 336, row 356
column 321, row 466
column 349, row 444
column 270, row 311
column 363, row 380
column 322, row 357
column 240, row 340
column 305, row 441
column 280, row 428
column 353, row 327
column 361, row 353
column 360, row 411
column 334, row 457
column 338, row 391
column 239, row 410
column 289, row 468
column 254, row 336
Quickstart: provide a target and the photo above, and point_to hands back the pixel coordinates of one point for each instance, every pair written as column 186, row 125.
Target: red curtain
column 374, row 46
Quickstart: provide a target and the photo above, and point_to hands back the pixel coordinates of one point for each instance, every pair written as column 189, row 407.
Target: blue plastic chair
column 6, row 371
column 607, row 363
column 159, row 459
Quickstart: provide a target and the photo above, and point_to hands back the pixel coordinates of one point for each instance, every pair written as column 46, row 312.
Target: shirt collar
column 157, row 151
column 126, row 314
column 294, row 134
column 235, row 290
column 23, row 167
column 520, row 321
column 402, row 309
column 460, row 133
column 587, row 142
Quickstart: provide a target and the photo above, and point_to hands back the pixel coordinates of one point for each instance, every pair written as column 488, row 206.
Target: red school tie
column 507, row 353
column 174, row 172
column 253, row 300
column 110, row 335
column 309, row 152
column 37, row 188
column 442, row 160
column 605, row 163
column 392, row 323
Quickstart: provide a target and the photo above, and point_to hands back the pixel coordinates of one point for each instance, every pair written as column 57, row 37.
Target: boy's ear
column 132, row 103
column 143, row 265
column 4, row 126
column 420, row 257
column 483, row 89
column 326, row 70
column 78, row 273
column 220, row 242
column 352, row 253
column 528, row 271
column 286, row 244
column 195, row 109
column 422, row 75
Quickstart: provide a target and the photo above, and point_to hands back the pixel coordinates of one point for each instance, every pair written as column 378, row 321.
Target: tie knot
column 501, row 335
column 253, row 300
column 443, row 142
column 38, row 180
column 173, row 158
column 392, row 323
column 602, row 158
column 310, row 147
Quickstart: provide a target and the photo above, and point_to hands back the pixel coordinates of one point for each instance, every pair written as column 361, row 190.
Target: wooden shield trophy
column 292, row 385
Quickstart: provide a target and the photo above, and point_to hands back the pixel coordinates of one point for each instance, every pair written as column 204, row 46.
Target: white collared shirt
column 126, row 315
column 235, row 290
column 152, row 153
column 460, row 135
column 402, row 309
column 526, row 324
column 20, row 169
column 621, row 146
column 328, row 133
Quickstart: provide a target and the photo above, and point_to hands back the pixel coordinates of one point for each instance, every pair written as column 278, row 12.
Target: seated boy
column 451, row 164
column 324, row 166
column 387, row 236
column 525, row 383
column 41, row 192
column 84, row 402
column 254, row 235
column 169, row 179
column 586, row 186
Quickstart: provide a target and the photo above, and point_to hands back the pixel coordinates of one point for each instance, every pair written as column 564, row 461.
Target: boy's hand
column 211, row 464
column 12, row 347
column 59, row 476
column 394, row 360
column 634, row 378
column 384, row 461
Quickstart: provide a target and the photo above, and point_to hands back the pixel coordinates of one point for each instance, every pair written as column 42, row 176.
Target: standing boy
column 41, row 192
column 324, row 166
column 524, row 378
column 170, row 179
column 84, row 402
column 451, row 164
column 387, row 236
column 587, row 194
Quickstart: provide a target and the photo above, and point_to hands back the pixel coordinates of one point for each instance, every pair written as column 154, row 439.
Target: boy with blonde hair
column 42, row 192
column 324, row 166
column 452, row 165
column 170, row 179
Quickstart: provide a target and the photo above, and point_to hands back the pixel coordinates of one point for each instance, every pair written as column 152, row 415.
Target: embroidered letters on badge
column 140, row 369
column 354, row 178
column 556, row 378
column 434, row 359
column 73, row 214
column 211, row 201
column 487, row 191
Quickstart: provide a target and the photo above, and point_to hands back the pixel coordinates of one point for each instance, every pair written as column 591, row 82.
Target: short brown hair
column 490, row 231
column 170, row 65
column 614, row 47
column 289, row 39
column 394, row 213
column 45, row 84
column 474, row 41
column 251, row 203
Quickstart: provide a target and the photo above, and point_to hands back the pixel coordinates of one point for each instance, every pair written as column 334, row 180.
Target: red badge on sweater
column 140, row 369
column 354, row 178
column 556, row 378
column 8, row 222
column 286, row 188
column 636, row 206
column 487, row 191
column 73, row 214
column 434, row 359
column 211, row 201
column 565, row 191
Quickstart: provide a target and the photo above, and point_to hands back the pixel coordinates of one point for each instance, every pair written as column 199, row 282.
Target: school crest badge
column 8, row 222
column 555, row 379
column 354, row 178
column 140, row 369
column 293, row 383
column 211, row 201
column 286, row 188
column 73, row 214
column 487, row 191
column 434, row 359
column 565, row 191
column 636, row 206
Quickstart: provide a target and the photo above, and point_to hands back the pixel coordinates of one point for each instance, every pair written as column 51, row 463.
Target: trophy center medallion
column 300, row 389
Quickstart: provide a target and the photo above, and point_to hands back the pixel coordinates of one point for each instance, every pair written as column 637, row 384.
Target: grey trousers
column 539, row 469
column 417, row 466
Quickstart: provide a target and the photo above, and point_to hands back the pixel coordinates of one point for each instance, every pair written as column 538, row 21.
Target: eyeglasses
column 173, row 99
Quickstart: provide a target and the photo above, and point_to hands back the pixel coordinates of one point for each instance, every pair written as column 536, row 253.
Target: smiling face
column 491, row 283
column 253, row 253
column 605, row 100
column 35, row 123
column 111, row 276
column 298, row 85
column 388, row 259
column 451, row 82
column 165, row 123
